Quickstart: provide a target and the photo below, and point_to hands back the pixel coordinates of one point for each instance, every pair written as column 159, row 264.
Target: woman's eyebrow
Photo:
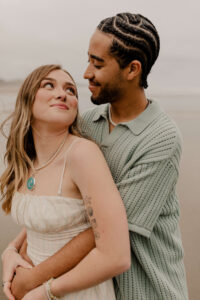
column 70, row 83
column 54, row 80
column 49, row 78
column 66, row 82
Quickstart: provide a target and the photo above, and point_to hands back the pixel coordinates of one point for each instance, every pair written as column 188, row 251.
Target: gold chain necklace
column 31, row 180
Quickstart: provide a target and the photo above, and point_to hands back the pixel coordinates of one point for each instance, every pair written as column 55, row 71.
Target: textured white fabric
column 51, row 222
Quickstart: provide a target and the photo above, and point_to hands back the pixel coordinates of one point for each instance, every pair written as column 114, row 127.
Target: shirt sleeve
column 145, row 190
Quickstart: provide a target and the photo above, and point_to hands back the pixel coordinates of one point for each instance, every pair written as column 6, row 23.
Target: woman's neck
column 47, row 143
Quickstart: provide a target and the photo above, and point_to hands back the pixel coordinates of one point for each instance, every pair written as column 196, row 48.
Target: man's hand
column 20, row 284
column 61, row 262
column 23, row 252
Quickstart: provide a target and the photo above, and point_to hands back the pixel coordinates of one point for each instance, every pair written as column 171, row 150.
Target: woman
column 57, row 184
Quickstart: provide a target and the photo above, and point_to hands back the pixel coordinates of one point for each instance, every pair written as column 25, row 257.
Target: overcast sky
column 35, row 32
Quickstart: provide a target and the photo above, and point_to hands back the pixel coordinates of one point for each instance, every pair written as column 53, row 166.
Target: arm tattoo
column 90, row 216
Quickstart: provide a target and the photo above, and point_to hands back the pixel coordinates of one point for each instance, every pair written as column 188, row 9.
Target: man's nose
column 88, row 73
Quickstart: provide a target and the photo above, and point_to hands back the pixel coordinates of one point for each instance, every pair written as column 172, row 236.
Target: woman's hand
column 39, row 293
column 6, row 290
column 10, row 261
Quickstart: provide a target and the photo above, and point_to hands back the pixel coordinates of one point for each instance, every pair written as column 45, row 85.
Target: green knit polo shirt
column 143, row 156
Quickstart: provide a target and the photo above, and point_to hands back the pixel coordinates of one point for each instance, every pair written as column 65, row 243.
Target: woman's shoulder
column 81, row 148
column 85, row 157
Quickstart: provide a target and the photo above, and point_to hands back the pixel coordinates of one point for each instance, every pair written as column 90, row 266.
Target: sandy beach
column 186, row 113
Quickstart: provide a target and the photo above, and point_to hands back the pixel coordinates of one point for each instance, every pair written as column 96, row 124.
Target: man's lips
column 60, row 105
column 93, row 86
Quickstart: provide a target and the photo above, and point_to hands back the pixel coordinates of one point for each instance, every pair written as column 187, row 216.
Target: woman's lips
column 61, row 106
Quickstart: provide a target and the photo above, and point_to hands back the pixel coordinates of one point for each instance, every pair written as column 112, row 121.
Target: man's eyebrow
column 96, row 57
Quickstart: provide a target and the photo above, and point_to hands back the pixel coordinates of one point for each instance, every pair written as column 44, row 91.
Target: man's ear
column 134, row 69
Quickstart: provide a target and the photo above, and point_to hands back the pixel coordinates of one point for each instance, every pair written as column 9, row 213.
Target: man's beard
column 107, row 95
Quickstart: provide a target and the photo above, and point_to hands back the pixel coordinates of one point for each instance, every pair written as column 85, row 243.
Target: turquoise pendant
column 30, row 183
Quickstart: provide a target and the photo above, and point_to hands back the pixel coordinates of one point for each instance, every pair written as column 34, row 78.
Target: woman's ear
column 134, row 69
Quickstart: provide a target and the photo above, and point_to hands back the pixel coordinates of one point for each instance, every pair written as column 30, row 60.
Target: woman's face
column 55, row 101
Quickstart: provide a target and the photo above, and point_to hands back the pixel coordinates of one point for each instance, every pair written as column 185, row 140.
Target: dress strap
column 63, row 170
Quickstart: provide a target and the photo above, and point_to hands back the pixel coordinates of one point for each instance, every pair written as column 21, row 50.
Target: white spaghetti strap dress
column 51, row 222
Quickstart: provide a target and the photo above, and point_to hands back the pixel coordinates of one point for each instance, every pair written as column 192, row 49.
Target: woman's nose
column 61, row 95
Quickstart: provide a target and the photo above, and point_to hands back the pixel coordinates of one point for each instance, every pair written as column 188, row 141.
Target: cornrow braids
column 134, row 38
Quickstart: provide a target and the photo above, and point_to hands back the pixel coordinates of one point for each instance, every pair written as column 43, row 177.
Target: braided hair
column 134, row 38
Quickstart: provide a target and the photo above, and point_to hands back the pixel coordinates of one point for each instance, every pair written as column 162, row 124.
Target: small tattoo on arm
column 87, row 200
column 96, row 235
column 90, row 216
column 90, row 211
column 93, row 223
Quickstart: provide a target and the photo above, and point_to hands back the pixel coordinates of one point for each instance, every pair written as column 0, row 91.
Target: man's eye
column 97, row 67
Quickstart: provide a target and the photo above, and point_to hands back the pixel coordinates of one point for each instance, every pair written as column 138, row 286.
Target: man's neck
column 129, row 107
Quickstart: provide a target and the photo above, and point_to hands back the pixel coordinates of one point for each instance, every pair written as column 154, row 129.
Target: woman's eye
column 71, row 91
column 48, row 85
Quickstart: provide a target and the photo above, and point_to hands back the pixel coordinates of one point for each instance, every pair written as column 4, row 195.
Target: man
column 142, row 147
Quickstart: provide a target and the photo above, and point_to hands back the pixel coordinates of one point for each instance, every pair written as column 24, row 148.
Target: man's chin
column 98, row 100
column 95, row 101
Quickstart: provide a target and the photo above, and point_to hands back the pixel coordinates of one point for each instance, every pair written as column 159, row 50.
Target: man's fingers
column 27, row 259
column 23, row 248
column 23, row 253
column 25, row 264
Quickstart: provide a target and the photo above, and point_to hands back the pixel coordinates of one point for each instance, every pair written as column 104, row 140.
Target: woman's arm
column 107, row 216
column 17, row 242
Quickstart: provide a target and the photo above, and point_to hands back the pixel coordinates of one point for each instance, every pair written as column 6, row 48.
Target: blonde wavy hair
column 20, row 149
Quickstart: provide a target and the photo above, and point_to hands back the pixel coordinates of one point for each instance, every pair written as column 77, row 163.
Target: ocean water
column 184, row 108
column 174, row 100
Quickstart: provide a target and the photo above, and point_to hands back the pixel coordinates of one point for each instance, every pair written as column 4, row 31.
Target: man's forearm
column 63, row 260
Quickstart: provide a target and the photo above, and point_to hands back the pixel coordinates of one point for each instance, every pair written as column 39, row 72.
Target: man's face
column 103, row 72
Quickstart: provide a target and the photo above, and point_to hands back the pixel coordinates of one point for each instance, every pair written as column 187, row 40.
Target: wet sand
column 188, row 120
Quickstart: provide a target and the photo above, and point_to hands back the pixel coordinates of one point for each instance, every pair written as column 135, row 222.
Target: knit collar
column 138, row 124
